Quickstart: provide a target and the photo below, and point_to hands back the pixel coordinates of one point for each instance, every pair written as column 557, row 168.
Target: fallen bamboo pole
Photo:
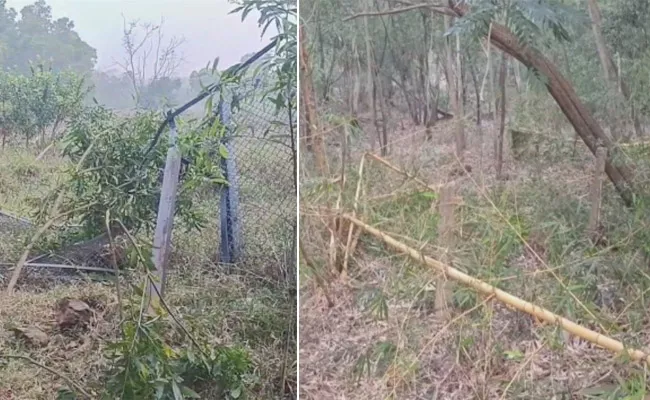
column 513, row 301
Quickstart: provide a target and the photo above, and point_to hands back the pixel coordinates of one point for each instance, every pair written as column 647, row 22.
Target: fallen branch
column 63, row 266
column 17, row 218
column 44, row 152
column 393, row 11
column 69, row 381
column 46, row 226
column 513, row 301
column 32, row 243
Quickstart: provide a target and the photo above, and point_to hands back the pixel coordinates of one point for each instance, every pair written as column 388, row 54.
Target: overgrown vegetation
column 447, row 109
column 83, row 327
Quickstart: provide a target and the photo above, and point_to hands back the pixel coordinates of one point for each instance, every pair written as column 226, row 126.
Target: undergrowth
column 526, row 235
column 224, row 335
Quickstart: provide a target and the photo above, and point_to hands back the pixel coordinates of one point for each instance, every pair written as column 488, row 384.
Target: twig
column 521, row 368
column 351, row 244
column 63, row 266
column 45, row 150
column 32, row 243
column 150, row 278
column 118, row 290
column 69, row 381
column 319, row 279
column 436, row 7
column 17, row 218
column 48, row 224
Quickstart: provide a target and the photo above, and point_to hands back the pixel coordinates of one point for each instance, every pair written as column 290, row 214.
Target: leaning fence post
column 165, row 219
column 595, row 193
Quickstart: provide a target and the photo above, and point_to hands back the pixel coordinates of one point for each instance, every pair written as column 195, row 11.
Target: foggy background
column 208, row 29
column 202, row 29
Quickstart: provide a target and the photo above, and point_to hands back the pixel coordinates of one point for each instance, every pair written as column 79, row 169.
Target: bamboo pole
column 513, row 301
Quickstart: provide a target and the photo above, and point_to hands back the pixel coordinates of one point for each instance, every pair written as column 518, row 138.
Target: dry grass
column 252, row 306
column 382, row 339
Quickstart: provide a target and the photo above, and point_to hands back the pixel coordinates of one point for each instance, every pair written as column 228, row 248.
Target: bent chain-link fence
column 258, row 207
column 257, row 219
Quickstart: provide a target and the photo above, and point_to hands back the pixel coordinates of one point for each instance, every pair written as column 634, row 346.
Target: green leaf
column 178, row 394
column 235, row 393
column 189, row 393
column 223, row 151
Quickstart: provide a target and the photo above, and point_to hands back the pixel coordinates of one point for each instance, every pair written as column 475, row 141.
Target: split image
column 323, row 199
column 473, row 198
column 148, row 200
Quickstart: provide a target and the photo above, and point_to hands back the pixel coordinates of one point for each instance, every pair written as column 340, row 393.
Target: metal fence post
column 230, row 247
column 165, row 218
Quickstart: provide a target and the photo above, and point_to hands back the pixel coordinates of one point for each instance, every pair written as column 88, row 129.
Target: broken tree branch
column 435, row 7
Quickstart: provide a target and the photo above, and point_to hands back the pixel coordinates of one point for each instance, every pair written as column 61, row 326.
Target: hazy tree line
column 32, row 38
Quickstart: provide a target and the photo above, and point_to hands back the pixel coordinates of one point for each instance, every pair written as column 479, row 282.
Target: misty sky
column 205, row 24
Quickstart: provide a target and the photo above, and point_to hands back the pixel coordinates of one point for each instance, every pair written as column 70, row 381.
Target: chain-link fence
column 257, row 212
column 258, row 208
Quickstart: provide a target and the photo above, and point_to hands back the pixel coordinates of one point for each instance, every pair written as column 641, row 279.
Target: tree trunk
column 372, row 98
column 607, row 62
column 356, row 90
column 452, row 81
column 477, row 89
column 568, row 101
column 460, row 95
column 384, row 118
column 502, row 116
column 313, row 134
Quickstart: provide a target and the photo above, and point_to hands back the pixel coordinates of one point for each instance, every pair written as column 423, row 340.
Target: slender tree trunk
column 356, row 90
column 454, row 92
column 477, row 90
column 372, row 98
column 502, row 116
column 517, row 77
column 493, row 91
column 384, row 119
column 460, row 93
column 607, row 62
column 313, row 134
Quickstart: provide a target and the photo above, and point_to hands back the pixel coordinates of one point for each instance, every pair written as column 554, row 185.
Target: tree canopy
column 34, row 36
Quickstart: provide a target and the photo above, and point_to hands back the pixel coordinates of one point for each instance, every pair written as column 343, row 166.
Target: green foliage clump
column 36, row 35
column 110, row 173
column 146, row 367
column 30, row 104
